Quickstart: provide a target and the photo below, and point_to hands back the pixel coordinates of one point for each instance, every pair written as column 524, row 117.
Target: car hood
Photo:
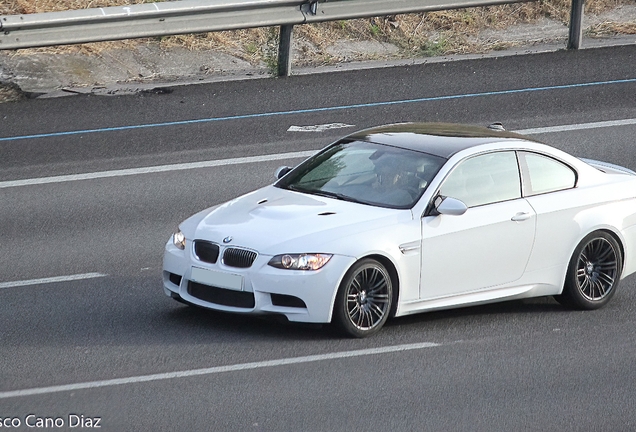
column 273, row 221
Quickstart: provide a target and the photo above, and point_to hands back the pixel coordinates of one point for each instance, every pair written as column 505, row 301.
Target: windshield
column 366, row 173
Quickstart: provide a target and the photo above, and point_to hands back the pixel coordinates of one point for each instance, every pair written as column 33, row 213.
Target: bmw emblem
column 227, row 239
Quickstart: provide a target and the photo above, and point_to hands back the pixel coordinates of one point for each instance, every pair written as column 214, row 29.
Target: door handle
column 521, row 216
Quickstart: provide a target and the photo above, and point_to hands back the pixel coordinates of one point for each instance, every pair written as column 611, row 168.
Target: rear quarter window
column 543, row 174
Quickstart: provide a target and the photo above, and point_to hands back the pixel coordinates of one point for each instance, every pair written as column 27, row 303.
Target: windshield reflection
column 366, row 173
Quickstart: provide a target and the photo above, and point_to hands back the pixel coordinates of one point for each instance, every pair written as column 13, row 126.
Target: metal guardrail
column 352, row 9
column 144, row 20
column 198, row 16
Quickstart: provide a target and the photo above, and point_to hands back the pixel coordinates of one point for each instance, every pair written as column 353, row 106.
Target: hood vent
column 263, row 201
column 326, row 213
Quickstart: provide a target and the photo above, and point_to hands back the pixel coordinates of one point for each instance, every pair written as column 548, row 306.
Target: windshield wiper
column 324, row 193
column 335, row 195
column 295, row 188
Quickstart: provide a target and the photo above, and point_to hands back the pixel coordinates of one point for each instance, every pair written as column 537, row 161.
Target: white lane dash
column 263, row 158
column 572, row 127
column 318, row 128
column 154, row 169
column 216, row 370
column 51, row 280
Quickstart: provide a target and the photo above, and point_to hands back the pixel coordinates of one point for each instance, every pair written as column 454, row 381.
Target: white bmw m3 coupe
column 407, row 218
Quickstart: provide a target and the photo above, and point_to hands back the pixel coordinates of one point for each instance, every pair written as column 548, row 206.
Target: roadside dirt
column 132, row 66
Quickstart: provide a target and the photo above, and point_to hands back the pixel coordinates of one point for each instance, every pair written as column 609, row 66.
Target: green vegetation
column 433, row 48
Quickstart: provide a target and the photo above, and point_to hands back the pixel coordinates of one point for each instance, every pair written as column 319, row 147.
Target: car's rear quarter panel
column 564, row 218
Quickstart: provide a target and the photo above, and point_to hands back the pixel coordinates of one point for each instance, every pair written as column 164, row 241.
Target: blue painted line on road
column 315, row 110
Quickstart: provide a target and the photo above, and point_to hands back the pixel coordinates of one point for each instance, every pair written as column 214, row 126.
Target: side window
column 545, row 174
column 484, row 179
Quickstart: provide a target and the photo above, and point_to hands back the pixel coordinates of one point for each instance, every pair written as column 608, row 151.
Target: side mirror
column 450, row 206
column 281, row 171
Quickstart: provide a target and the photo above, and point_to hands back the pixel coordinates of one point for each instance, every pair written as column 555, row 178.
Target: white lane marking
column 216, row 370
column 263, row 158
column 582, row 126
column 51, row 280
column 153, row 169
column 318, row 128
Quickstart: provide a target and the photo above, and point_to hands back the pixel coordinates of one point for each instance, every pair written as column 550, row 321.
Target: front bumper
column 301, row 296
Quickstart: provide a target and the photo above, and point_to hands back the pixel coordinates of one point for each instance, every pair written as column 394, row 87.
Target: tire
column 364, row 299
column 593, row 273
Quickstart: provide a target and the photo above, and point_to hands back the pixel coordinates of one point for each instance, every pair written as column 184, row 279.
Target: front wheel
column 364, row 299
column 593, row 273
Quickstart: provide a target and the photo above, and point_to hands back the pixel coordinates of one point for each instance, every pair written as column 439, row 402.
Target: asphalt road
column 109, row 344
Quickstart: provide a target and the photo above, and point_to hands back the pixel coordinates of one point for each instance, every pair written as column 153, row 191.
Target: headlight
column 179, row 239
column 300, row 261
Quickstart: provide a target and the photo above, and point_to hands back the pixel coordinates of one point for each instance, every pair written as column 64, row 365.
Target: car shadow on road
column 496, row 313
column 223, row 324
column 194, row 319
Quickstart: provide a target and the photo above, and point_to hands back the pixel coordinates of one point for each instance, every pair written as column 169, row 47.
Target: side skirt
column 492, row 295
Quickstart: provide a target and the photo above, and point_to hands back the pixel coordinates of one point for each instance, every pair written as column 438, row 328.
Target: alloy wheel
column 597, row 269
column 368, row 297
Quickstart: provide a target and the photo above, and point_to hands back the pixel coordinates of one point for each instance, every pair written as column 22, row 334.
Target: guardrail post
column 576, row 24
column 284, row 50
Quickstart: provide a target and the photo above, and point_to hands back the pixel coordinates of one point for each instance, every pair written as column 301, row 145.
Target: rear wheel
column 593, row 273
column 363, row 302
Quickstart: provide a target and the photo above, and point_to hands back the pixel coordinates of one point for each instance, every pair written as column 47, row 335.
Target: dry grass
column 435, row 33
column 612, row 29
column 16, row 7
